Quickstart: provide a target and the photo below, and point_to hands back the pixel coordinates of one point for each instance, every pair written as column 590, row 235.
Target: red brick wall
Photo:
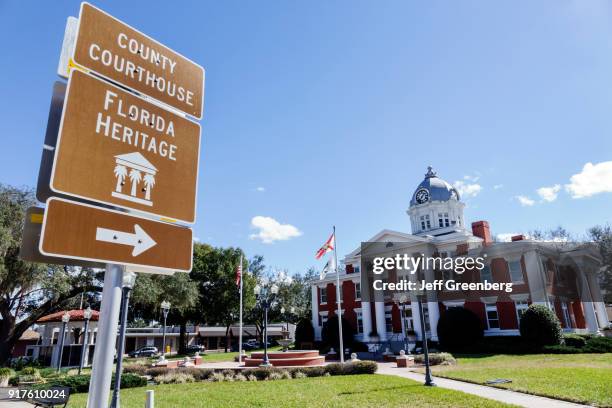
column 507, row 316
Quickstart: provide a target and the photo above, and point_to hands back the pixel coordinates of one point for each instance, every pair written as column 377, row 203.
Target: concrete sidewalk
column 6, row 402
column 498, row 394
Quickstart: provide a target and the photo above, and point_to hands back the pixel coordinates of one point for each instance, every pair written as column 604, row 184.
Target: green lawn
column 585, row 378
column 342, row 391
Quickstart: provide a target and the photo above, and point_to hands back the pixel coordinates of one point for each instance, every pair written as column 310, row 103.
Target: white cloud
column 260, row 189
column 471, row 178
column 468, row 189
column 498, row 186
column 549, row 194
column 506, row 236
column 525, row 201
column 271, row 230
column 594, row 179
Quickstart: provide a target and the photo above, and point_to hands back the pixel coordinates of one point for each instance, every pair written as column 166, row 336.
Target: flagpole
column 338, row 298
column 240, row 334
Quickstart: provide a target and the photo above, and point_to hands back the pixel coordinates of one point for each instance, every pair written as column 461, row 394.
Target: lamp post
column 265, row 296
column 128, row 283
column 403, row 299
column 65, row 320
column 165, row 307
column 86, row 315
column 428, row 380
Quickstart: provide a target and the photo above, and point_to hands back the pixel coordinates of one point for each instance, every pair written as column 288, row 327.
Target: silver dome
column 439, row 190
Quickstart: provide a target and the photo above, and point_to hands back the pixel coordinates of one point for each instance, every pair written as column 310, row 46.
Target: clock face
column 422, row 196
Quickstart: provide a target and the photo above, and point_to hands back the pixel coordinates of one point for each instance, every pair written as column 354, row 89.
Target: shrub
column 286, row 375
column 436, row 359
column 155, row 371
column 360, row 367
column 334, row 369
column 561, row 349
column 30, row 371
column 314, row 371
column 80, row 383
column 275, row 376
column 304, row 332
column 199, row 374
column 228, row 373
column 261, row 373
column 216, row 377
column 48, row 372
column 330, row 336
column 459, row 329
column 251, row 377
column 139, row 369
column 598, row 345
column 6, row 372
column 299, row 374
column 574, row 340
column 540, row 326
column 174, row 378
column 240, row 377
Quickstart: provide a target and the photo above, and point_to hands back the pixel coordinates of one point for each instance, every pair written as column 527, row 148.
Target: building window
column 492, row 316
column 357, row 269
column 485, row 274
column 520, row 307
column 323, row 320
column 388, row 322
column 359, row 322
column 443, row 220
column 425, row 222
column 459, row 221
column 516, row 271
column 323, row 295
column 357, row 291
column 408, row 325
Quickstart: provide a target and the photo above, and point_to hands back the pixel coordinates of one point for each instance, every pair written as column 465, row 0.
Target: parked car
column 146, row 351
column 195, row 348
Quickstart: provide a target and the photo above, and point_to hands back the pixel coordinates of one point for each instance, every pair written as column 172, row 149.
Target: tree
column 540, row 326
column 178, row 289
column 602, row 236
column 304, row 333
column 331, row 337
column 28, row 290
column 214, row 270
column 459, row 329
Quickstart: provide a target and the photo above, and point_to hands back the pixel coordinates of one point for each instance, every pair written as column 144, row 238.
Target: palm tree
column 149, row 182
column 135, row 177
column 120, row 173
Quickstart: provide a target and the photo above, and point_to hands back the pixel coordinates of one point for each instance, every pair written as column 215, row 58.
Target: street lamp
column 86, row 315
column 428, row 380
column 403, row 299
column 128, row 283
column 165, row 307
column 265, row 295
column 65, row 320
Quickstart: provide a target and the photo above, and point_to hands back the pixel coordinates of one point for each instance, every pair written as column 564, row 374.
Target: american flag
column 239, row 273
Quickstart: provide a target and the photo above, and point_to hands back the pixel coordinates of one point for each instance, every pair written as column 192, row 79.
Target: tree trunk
column 183, row 337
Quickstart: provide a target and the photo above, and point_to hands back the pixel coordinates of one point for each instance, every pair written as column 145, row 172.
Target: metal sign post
column 102, row 367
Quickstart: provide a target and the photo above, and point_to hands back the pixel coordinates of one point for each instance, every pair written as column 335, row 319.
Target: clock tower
column 435, row 207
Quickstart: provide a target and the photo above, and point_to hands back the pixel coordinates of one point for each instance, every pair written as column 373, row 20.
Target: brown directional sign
column 123, row 54
column 84, row 232
column 30, row 241
column 118, row 149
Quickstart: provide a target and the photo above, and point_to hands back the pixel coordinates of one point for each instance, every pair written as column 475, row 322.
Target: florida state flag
column 327, row 246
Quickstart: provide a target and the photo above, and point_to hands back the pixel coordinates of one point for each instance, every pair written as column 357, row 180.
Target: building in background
column 539, row 271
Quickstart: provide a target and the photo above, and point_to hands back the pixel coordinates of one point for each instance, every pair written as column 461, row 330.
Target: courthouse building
column 541, row 272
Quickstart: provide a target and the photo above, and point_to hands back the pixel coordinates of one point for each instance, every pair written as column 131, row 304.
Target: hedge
column 80, row 383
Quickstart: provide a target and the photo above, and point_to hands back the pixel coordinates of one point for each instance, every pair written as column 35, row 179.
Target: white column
column 600, row 308
column 537, row 278
column 587, row 304
column 379, row 310
column 315, row 311
column 434, row 315
column 366, row 318
column 416, row 319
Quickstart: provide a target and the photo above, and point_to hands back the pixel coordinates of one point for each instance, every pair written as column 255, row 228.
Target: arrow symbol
column 140, row 240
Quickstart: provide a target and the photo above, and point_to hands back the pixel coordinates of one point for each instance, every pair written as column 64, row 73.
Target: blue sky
column 328, row 112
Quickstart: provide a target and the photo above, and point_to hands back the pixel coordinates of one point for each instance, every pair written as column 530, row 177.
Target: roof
column 137, row 159
column 75, row 315
column 29, row 334
column 439, row 190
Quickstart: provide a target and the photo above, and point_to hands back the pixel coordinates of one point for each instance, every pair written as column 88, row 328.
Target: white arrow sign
column 140, row 240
